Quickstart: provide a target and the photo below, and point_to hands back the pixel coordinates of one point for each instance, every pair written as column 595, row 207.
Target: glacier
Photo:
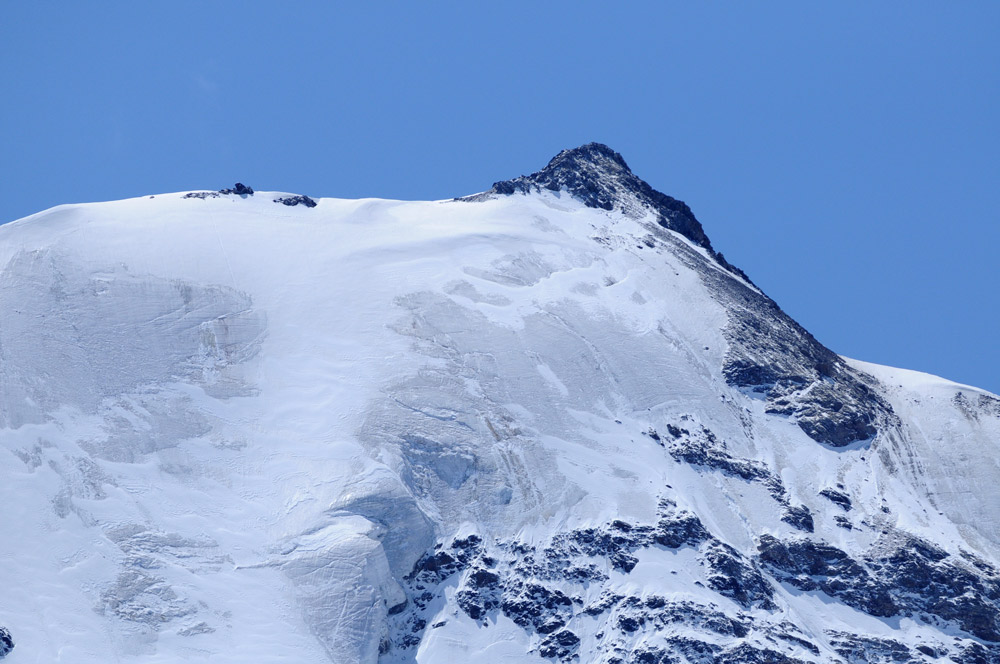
column 544, row 423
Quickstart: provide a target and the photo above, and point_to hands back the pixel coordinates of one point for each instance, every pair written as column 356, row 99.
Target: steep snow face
column 531, row 425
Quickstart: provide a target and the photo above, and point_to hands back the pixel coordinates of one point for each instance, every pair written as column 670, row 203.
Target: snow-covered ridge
column 598, row 176
column 544, row 423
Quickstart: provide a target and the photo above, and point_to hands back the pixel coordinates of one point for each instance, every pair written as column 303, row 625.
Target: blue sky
column 846, row 155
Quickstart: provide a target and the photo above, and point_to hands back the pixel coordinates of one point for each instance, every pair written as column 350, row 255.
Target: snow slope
column 527, row 426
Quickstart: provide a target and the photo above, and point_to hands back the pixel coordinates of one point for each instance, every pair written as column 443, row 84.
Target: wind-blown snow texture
column 546, row 423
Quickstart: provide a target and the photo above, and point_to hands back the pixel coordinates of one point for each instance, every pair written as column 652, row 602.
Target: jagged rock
column 296, row 200
column 736, row 578
column 480, row 595
column 651, row 655
column 694, row 650
column 838, row 498
column 925, row 578
column 707, row 451
column 782, row 363
column 746, row 653
column 977, row 653
column 606, row 601
column 6, row 642
column 561, row 645
column 599, row 176
column 702, row 617
column 794, row 638
column 912, row 577
column 527, row 583
column 677, row 530
column 616, row 544
column 435, row 567
column 798, row 377
column 799, row 516
column 532, row 605
column 239, row 189
column 870, row 650
column 810, row 565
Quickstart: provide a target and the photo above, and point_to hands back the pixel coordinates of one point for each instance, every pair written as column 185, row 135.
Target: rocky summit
column 548, row 422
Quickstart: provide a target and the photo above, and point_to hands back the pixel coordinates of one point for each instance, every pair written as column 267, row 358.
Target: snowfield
column 504, row 429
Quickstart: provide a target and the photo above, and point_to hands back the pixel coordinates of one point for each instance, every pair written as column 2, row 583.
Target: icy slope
column 544, row 423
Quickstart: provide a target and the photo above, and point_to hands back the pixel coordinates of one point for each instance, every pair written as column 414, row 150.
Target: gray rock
column 6, row 642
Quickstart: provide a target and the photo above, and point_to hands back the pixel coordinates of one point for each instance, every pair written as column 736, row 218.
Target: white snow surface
column 230, row 427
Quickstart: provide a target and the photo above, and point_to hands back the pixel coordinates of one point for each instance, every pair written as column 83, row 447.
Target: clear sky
column 846, row 155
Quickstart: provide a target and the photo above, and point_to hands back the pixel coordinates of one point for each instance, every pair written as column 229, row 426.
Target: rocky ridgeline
column 600, row 178
column 906, row 576
column 239, row 189
column 770, row 355
column 242, row 190
column 292, row 201
column 557, row 590
column 544, row 590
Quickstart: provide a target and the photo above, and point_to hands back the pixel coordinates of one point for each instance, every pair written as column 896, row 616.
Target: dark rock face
column 809, row 565
column 541, row 588
column 6, row 642
column 680, row 529
column 774, row 358
column 704, row 449
column 660, row 613
column 799, row 517
column 536, row 607
column 531, row 585
column 239, row 189
column 870, row 650
column 977, row 653
column 599, row 176
column 838, row 498
column 636, row 620
column 480, row 597
column 910, row 577
column 737, row 578
column 562, row 645
column 433, row 568
column 925, row 579
column 296, row 200
column 748, row 654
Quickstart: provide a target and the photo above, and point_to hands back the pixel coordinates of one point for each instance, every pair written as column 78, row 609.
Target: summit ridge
column 600, row 177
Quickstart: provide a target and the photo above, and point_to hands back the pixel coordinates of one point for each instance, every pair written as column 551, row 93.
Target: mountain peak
column 599, row 177
column 593, row 158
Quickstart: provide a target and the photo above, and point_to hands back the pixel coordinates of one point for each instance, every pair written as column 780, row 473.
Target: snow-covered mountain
column 545, row 423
